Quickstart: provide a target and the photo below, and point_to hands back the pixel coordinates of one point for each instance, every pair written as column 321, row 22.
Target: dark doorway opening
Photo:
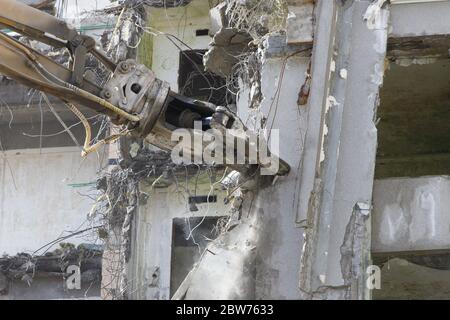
column 195, row 82
column 190, row 236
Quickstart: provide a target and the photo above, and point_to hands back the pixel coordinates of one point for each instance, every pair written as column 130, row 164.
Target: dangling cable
column 87, row 147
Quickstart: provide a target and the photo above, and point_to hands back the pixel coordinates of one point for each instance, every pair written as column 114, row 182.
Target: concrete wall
column 153, row 237
column 38, row 203
column 181, row 22
column 343, row 162
column 281, row 238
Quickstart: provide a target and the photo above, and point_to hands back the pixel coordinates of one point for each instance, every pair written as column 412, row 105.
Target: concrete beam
column 320, row 72
column 420, row 19
column 411, row 214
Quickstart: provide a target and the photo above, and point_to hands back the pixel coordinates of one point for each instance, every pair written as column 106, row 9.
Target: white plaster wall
column 181, row 22
column 37, row 205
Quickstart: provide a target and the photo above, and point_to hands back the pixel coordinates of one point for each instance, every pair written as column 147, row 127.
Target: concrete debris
column 274, row 46
column 227, row 45
column 231, row 256
column 134, row 149
column 330, row 293
column 364, row 208
column 235, row 25
column 374, row 16
column 352, row 249
column 343, row 73
column 117, row 6
column 157, row 3
column 28, row 279
column 124, row 41
column 257, row 18
column 231, row 180
column 119, row 200
column 299, row 24
column 25, row 266
column 332, row 102
column 354, row 252
column 218, row 18
column 121, row 189
column 324, row 106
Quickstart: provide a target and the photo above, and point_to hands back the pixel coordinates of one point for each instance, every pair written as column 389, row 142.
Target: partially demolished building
column 357, row 93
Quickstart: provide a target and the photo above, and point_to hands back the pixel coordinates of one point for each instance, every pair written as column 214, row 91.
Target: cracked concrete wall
column 336, row 124
column 280, row 247
column 152, row 243
column 279, row 243
column 280, row 239
column 37, row 201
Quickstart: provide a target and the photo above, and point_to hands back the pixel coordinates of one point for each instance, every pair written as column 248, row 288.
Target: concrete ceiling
column 20, row 105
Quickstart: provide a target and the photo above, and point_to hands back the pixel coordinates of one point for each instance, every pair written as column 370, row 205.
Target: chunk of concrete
column 224, row 50
column 218, row 18
column 299, row 24
column 226, row 269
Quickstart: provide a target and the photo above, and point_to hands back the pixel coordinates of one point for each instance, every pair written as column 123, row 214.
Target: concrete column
column 337, row 221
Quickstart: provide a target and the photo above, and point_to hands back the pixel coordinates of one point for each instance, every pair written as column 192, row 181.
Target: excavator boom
column 132, row 97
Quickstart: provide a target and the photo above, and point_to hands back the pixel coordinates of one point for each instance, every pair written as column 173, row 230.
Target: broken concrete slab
column 274, row 46
column 227, row 45
column 218, row 18
column 299, row 24
column 225, row 268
